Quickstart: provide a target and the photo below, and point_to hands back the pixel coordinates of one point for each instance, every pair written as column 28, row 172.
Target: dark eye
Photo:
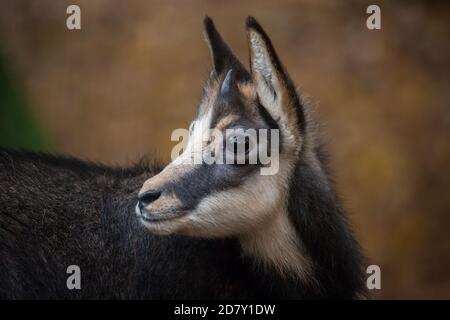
column 238, row 143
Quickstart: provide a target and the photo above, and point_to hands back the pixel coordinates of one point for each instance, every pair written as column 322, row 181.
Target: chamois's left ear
column 275, row 89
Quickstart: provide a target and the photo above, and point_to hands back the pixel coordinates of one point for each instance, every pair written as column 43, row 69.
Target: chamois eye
column 238, row 143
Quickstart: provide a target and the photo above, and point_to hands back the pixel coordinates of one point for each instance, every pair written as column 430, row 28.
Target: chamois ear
column 275, row 89
column 223, row 58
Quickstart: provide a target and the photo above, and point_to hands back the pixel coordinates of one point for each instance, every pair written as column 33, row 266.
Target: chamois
column 187, row 230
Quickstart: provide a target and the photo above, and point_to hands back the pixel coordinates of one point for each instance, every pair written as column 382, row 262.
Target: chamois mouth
column 159, row 216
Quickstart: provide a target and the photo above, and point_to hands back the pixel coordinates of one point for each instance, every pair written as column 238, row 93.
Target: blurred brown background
column 115, row 90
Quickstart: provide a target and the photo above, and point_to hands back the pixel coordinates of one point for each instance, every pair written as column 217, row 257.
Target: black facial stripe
column 205, row 180
column 225, row 106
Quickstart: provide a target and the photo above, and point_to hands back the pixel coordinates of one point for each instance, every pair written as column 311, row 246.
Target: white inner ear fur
column 269, row 89
column 267, row 83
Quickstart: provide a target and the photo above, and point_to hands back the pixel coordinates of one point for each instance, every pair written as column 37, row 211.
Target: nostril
column 148, row 197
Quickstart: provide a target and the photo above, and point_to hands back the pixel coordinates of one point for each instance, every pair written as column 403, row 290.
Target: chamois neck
column 276, row 245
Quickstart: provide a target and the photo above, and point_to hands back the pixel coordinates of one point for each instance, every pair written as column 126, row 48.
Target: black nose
column 148, row 197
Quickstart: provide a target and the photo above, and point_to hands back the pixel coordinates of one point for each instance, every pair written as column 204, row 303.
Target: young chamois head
column 232, row 198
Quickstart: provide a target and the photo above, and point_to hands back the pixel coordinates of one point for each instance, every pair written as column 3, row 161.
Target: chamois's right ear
column 223, row 57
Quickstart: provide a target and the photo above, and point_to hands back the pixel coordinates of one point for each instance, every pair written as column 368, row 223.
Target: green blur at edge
column 18, row 127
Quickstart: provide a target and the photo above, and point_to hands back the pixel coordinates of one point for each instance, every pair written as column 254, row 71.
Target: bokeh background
column 115, row 90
